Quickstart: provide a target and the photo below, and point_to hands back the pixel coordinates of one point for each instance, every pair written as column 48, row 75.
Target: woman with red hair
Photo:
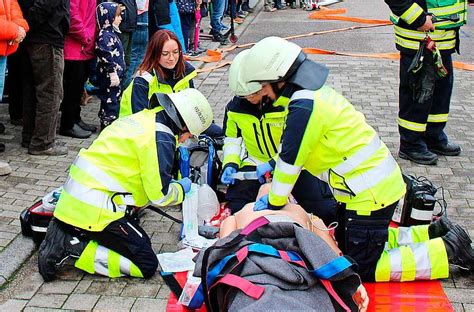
column 162, row 70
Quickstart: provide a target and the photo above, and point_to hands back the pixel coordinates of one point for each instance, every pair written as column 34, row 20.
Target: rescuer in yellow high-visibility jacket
column 128, row 165
column 253, row 126
column 328, row 137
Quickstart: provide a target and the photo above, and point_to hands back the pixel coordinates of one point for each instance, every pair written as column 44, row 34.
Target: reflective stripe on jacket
column 326, row 135
column 408, row 15
column 130, row 163
column 136, row 96
column 252, row 132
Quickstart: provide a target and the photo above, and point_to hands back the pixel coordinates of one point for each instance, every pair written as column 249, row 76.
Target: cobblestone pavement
column 371, row 85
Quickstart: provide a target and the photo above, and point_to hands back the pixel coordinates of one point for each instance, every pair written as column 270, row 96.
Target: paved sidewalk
column 369, row 84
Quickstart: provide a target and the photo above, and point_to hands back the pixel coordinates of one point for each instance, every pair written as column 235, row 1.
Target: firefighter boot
column 458, row 248
column 56, row 247
column 440, row 227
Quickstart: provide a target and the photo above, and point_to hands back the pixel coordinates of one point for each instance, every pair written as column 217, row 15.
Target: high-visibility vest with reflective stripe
column 260, row 136
column 340, row 148
column 120, row 168
column 154, row 86
column 445, row 31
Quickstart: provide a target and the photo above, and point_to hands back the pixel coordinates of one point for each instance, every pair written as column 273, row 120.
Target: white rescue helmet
column 269, row 60
column 188, row 106
column 236, row 83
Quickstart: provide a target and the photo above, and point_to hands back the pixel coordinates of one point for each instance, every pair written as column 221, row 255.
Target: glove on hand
column 114, row 79
column 186, row 184
column 262, row 170
column 261, row 204
column 422, row 74
column 226, row 177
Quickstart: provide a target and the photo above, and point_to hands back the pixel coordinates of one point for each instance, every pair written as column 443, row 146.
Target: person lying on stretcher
column 290, row 213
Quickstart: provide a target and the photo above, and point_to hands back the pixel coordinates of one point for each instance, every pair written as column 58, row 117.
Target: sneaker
column 200, row 50
column 423, row 158
column 86, row 126
column 268, row 8
column 57, row 246
column 241, row 14
column 75, row 132
column 5, row 168
column 52, row 151
column 458, row 248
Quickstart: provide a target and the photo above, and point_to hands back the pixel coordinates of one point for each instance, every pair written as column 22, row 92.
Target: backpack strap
column 241, row 255
column 254, row 225
column 250, row 289
column 332, row 268
column 327, row 284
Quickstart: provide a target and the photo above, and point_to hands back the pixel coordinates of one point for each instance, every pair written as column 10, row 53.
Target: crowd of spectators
column 51, row 50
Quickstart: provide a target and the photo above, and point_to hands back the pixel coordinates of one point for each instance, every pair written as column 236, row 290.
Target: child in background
column 110, row 61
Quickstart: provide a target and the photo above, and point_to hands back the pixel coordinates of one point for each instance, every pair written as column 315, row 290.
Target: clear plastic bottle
column 208, row 203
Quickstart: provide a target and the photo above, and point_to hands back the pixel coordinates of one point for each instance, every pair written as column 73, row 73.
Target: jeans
column 139, row 43
column 218, row 7
column 3, row 67
column 42, row 95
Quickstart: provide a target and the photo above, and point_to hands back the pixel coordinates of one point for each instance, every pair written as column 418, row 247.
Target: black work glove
column 423, row 75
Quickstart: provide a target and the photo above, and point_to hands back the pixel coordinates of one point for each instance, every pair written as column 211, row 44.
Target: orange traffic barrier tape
column 393, row 56
column 211, row 68
column 216, row 56
column 390, row 56
column 334, row 14
column 464, row 66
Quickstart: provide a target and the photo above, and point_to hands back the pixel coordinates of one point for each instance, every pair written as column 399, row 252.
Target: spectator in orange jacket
column 13, row 28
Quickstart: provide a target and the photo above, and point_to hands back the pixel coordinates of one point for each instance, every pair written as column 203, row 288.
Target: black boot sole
column 444, row 153
column 46, row 259
column 433, row 162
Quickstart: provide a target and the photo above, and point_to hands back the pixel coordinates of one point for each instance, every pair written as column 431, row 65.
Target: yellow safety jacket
column 329, row 138
column 408, row 15
column 123, row 166
column 136, row 96
column 252, row 132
